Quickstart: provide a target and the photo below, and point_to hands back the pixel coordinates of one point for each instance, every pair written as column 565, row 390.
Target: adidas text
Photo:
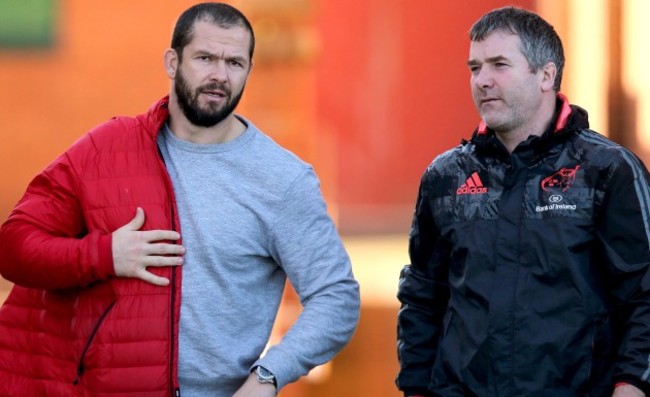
column 471, row 190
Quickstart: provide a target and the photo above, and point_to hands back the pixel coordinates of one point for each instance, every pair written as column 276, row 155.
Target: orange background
column 369, row 91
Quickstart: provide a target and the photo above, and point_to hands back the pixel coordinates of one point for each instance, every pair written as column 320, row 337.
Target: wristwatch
column 265, row 376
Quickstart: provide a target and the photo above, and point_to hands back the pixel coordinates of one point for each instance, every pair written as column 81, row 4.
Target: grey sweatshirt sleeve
column 306, row 244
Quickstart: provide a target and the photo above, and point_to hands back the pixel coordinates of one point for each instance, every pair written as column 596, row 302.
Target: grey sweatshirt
column 251, row 215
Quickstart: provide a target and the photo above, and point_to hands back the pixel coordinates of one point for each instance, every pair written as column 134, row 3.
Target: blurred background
column 368, row 91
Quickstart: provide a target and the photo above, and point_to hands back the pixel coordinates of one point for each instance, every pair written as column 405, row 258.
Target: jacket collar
column 567, row 120
column 562, row 114
column 155, row 117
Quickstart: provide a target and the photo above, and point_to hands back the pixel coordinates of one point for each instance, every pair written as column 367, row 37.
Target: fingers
column 160, row 261
column 142, row 273
column 134, row 250
column 137, row 221
column 136, row 224
column 164, row 249
column 160, row 235
column 152, row 278
column 139, row 269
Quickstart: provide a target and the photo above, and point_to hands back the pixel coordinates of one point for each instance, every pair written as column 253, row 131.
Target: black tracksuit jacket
column 529, row 271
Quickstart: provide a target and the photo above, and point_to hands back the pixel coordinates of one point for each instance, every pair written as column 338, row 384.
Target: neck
column 226, row 130
column 512, row 139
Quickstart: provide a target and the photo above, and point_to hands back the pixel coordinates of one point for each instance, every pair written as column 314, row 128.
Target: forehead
column 497, row 44
column 210, row 37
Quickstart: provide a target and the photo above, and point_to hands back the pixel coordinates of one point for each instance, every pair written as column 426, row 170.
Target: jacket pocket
column 89, row 341
column 603, row 353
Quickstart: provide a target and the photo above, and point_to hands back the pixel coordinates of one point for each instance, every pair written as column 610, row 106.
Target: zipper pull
column 177, row 393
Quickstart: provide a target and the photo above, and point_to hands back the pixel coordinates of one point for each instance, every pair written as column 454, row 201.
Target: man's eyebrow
column 236, row 57
column 202, row 52
column 498, row 58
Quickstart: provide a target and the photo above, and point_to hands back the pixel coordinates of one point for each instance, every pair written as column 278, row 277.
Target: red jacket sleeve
column 44, row 243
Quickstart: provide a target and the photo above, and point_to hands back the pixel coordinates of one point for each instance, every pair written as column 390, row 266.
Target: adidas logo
column 472, row 185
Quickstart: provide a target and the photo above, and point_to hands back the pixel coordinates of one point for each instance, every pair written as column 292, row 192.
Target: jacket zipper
column 80, row 365
column 174, row 391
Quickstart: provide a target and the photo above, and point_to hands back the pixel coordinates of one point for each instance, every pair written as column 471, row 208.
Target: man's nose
column 219, row 71
column 483, row 78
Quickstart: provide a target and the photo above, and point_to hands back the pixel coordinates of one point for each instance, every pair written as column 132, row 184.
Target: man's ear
column 250, row 68
column 171, row 62
column 549, row 71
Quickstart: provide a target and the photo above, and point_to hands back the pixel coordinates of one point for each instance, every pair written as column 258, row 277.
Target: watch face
column 264, row 375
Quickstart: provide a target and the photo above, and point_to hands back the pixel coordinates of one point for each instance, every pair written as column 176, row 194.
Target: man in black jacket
column 530, row 244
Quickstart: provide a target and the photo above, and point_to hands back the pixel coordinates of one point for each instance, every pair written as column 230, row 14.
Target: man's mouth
column 214, row 93
column 488, row 100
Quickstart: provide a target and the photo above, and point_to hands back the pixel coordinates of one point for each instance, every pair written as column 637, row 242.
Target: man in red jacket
column 101, row 304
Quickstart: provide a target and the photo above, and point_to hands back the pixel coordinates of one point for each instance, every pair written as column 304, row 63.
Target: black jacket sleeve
column 423, row 292
column 624, row 237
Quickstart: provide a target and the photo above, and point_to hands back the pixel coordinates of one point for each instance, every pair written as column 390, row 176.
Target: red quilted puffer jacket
column 69, row 327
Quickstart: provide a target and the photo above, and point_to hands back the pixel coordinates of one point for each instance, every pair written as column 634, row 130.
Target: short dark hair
column 540, row 43
column 223, row 15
